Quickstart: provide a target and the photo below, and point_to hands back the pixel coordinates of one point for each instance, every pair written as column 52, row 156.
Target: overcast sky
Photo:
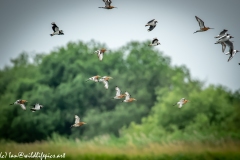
column 25, row 25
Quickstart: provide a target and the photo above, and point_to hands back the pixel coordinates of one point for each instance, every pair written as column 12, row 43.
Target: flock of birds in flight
column 223, row 39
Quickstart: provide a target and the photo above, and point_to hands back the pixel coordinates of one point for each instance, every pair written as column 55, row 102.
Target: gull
column 223, row 33
column 77, row 122
column 224, row 38
column 181, row 102
column 152, row 24
column 56, row 30
column 154, row 42
column 232, row 52
column 36, row 107
column 104, row 82
column 107, row 4
column 20, row 102
column 94, row 78
column 127, row 98
column 118, row 94
column 201, row 25
column 100, row 53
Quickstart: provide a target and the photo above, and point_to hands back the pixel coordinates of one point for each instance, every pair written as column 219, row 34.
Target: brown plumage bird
column 127, row 98
column 100, row 53
column 107, row 4
column 20, row 102
column 77, row 122
column 118, row 94
column 94, row 78
column 201, row 25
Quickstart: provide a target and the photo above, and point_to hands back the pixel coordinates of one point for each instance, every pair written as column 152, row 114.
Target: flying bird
column 152, row 24
column 56, row 30
column 223, row 33
column 20, row 102
column 181, row 102
column 154, row 42
column 118, row 94
column 127, row 98
column 107, row 4
column 224, row 38
column 94, row 78
column 106, row 78
column 77, row 122
column 231, row 52
column 104, row 82
column 201, row 25
column 100, row 53
column 36, row 107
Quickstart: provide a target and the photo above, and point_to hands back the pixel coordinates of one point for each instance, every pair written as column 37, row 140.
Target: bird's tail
column 33, row 110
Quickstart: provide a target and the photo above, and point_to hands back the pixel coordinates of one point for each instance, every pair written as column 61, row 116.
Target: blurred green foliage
column 57, row 81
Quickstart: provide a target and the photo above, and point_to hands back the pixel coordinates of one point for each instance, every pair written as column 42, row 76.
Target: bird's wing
column 105, row 84
column 230, row 57
column 155, row 40
column 23, row 106
column 55, row 28
column 182, row 100
column 223, row 46
column 230, row 44
column 109, row 2
column 77, row 119
column 223, row 32
column 222, row 37
column 180, row 105
column 118, row 92
column 151, row 28
column 100, row 56
column 151, row 21
column 127, row 96
column 200, row 22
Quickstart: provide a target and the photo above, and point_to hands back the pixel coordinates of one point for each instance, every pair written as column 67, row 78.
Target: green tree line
column 58, row 81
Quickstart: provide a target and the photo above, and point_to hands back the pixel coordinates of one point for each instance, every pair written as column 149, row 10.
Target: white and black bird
column 224, row 38
column 152, row 24
column 231, row 52
column 56, row 30
column 154, row 42
column 36, row 107
column 104, row 82
column 221, row 34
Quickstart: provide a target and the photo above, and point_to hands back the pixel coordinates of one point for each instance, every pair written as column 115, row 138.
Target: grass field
column 89, row 151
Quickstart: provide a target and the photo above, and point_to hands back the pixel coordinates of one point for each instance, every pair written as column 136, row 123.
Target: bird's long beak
column 211, row 28
column 12, row 104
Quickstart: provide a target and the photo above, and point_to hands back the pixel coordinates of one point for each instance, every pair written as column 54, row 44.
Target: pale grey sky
column 26, row 25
